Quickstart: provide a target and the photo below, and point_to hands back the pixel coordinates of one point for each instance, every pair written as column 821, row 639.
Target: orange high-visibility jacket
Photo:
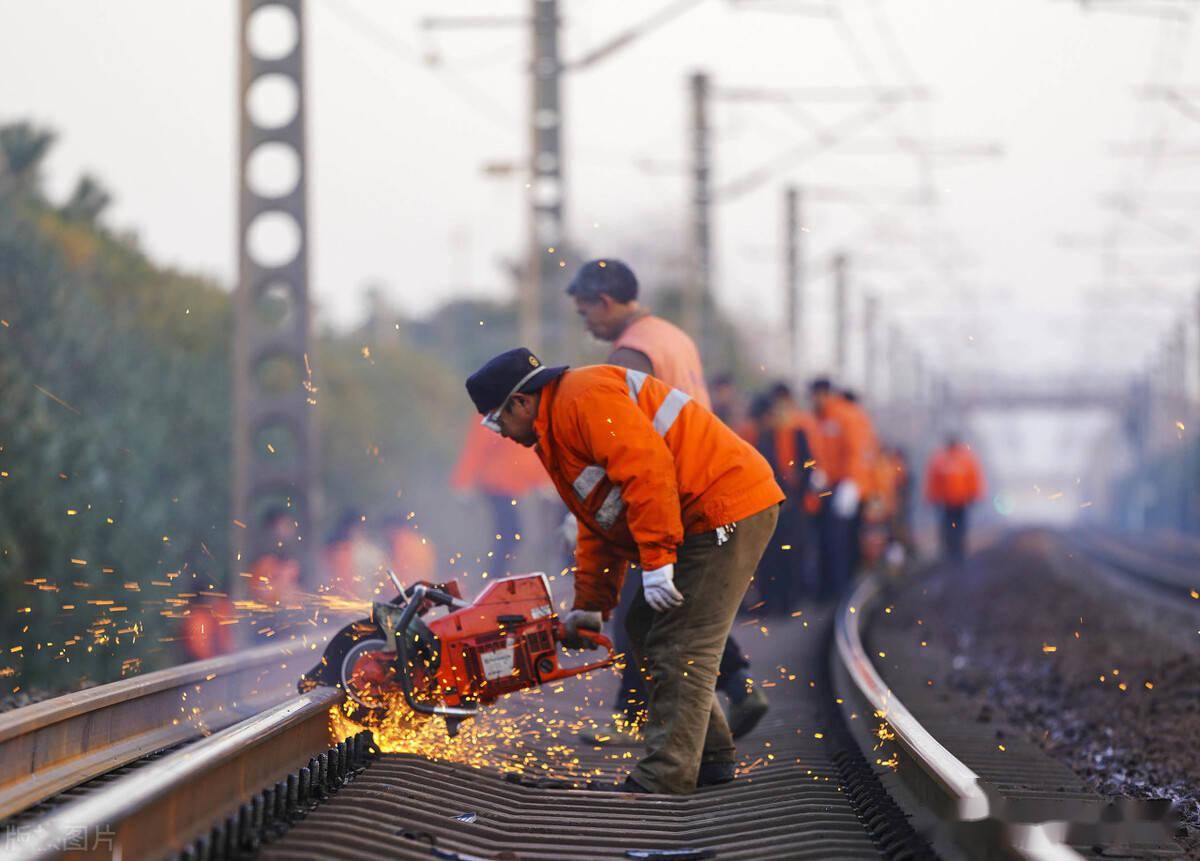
column 641, row 464
column 672, row 354
column 954, row 477
column 788, row 447
column 274, row 579
column 845, row 443
column 492, row 465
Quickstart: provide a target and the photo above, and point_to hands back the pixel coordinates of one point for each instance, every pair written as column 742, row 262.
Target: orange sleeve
column 599, row 572
column 619, row 437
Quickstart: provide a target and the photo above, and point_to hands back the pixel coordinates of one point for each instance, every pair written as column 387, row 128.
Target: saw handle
column 594, row 637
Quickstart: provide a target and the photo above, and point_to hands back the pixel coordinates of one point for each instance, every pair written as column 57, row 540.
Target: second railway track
column 253, row 787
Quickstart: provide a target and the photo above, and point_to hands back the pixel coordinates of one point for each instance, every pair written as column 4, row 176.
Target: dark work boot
column 747, row 704
column 715, row 773
column 629, row 785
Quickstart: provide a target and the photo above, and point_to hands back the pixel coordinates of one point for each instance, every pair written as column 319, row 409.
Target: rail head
column 53, row 745
column 158, row 809
column 29, row 718
column 958, row 784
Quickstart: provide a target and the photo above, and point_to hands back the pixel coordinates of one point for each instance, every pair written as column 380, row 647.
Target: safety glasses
column 491, row 420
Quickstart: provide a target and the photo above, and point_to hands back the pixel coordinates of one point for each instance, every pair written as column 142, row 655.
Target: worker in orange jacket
column 953, row 481
column 605, row 293
column 783, row 436
column 275, row 574
column 842, row 452
column 653, row 478
column 504, row 476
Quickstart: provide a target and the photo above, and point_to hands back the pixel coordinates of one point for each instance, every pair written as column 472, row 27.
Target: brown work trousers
column 680, row 651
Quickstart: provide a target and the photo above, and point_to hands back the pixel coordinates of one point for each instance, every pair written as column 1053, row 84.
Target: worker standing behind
column 653, row 478
column 867, row 489
column 783, row 438
column 841, row 452
column 953, row 481
column 503, row 476
column 606, row 297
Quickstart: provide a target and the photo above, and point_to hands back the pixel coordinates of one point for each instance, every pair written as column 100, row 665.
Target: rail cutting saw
column 450, row 663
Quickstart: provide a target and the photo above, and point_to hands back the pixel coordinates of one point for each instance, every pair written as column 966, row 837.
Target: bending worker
column 953, row 481
column 606, row 297
column 655, row 478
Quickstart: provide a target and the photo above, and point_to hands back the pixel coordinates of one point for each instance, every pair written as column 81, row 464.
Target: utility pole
column 274, row 435
column 894, row 364
column 697, row 305
column 870, row 320
column 1197, row 366
column 793, row 282
column 540, row 317
column 840, row 264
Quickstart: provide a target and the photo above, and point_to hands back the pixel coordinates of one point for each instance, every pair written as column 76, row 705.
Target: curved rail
column 157, row 810
column 958, row 788
column 53, row 745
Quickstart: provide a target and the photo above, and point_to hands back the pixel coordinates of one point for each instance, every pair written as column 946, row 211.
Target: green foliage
column 115, row 435
column 113, row 426
column 390, row 421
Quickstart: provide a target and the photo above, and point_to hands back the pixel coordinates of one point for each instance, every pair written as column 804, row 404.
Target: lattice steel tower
column 274, row 436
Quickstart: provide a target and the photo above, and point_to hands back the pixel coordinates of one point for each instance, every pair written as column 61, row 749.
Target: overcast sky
column 1005, row 272
column 997, row 275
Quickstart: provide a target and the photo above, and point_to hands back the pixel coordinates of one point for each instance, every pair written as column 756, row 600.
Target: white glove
column 845, row 498
column 658, row 585
column 819, row 480
column 576, row 619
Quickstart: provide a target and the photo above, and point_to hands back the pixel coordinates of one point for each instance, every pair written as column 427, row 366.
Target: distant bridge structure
column 1010, row 394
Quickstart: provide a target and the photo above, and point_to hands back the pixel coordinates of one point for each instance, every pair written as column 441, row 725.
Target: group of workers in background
column 684, row 507
column 681, row 501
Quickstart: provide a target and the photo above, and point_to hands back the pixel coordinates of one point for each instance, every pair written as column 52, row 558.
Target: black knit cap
column 502, row 377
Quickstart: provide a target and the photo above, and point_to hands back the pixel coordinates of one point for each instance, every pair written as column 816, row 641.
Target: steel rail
column 1155, row 567
column 952, row 788
column 159, row 809
column 51, row 746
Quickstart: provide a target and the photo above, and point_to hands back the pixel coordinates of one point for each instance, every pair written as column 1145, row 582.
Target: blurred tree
column 23, row 146
column 87, row 201
column 115, row 435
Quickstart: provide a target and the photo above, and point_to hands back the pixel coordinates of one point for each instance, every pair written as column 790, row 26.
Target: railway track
column 1167, row 564
column 275, row 785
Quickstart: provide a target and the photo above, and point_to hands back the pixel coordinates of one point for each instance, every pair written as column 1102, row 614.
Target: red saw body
column 506, row 640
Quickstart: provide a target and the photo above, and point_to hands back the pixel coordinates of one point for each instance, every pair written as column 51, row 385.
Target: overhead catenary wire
column 356, row 20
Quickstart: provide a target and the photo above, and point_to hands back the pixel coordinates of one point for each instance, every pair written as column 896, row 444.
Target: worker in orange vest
column 953, row 481
column 783, row 436
column 206, row 627
column 504, row 476
column 655, row 478
column 606, row 297
column 868, row 489
column 275, row 574
column 842, row 452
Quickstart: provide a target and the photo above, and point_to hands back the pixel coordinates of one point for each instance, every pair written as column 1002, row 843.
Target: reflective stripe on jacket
column 640, row 464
